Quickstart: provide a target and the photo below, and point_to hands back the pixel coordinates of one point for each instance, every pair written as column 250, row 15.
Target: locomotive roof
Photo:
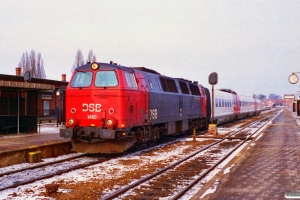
column 115, row 65
column 146, row 70
column 88, row 66
column 228, row 90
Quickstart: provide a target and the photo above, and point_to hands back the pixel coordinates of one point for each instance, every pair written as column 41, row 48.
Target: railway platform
column 15, row 149
column 267, row 168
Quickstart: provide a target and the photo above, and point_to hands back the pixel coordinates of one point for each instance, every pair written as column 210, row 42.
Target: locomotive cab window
column 130, row 80
column 106, row 79
column 82, row 79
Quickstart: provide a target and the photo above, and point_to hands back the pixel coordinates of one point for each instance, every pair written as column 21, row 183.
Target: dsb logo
column 91, row 107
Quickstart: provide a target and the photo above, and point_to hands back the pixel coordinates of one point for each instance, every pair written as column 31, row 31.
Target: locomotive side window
column 130, row 80
column 183, row 87
column 159, row 85
column 168, row 85
column 150, row 82
column 172, row 85
column 106, row 79
column 82, row 79
column 194, row 89
column 164, row 84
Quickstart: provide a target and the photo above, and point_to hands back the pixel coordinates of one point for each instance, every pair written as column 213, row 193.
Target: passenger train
column 110, row 108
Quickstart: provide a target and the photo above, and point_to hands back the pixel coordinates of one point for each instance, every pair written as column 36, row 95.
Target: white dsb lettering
column 91, row 107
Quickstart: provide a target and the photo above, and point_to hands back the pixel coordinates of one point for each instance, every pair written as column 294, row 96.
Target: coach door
column 236, row 104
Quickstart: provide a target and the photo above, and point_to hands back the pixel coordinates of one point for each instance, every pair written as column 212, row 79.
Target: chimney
column 63, row 77
column 18, row 71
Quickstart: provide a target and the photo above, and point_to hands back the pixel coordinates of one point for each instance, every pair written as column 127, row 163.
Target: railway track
column 175, row 180
column 31, row 174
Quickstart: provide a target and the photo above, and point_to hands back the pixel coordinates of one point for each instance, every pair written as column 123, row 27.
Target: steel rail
column 40, row 165
column 53, row 174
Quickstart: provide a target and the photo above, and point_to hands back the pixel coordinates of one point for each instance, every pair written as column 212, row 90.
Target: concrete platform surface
column 267, row 170
column 48, row 134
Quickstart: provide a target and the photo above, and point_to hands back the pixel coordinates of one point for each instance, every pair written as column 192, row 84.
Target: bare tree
column 33, row 63
column 22, row 64
column 40, row 67
column 78, row 60
column 32, row 60
column 27, row 62
column 91, row 57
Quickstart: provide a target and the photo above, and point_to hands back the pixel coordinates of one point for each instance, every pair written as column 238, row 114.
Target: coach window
column 130, row 80
column 150, row 82
column 82, row 79
column 106, row 79
column 216, row 100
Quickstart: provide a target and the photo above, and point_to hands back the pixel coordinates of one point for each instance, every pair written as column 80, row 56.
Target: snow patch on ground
column 211, row 190
column 227, row 170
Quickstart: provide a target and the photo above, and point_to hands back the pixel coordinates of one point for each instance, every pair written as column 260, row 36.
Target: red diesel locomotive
column 110, row 108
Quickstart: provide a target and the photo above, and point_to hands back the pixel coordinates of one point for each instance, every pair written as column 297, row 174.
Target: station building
column 25, row 104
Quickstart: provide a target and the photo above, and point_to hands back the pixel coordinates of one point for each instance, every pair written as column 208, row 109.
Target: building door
column 46, row 108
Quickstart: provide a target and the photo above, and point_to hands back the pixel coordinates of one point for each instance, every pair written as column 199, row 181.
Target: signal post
column 212, row 127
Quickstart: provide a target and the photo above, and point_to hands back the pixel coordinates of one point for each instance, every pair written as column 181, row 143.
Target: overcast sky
column 253, row 45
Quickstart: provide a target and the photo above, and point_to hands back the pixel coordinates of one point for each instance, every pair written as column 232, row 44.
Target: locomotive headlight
column 95, row 66
column 71, row 122
column 110, row 122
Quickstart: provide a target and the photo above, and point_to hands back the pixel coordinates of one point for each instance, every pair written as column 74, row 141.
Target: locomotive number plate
column 153, row 114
